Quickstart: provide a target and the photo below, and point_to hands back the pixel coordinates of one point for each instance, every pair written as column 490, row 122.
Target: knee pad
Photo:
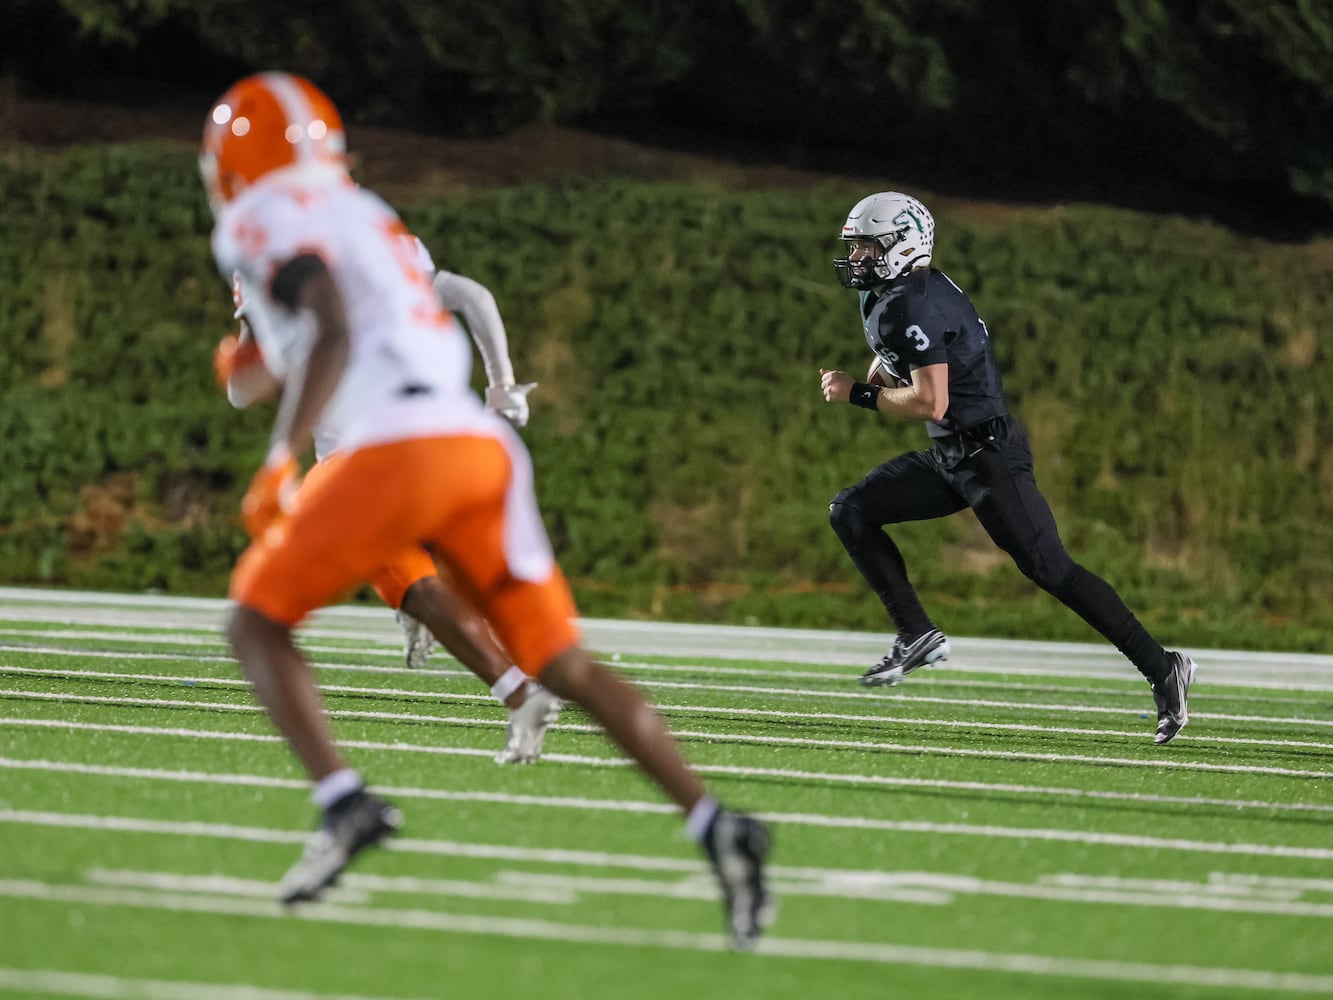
column 844, row 516
column 1053, row 572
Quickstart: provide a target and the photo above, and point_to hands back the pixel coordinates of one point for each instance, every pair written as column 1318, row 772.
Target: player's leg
column 461, row 630
column 394, row 582
column 351, row 818
column 284, row 685
column 268, row 606
column 347, row 520
column 1017, row 517
column 502, row 553
column 907, row 488
column 736, row 844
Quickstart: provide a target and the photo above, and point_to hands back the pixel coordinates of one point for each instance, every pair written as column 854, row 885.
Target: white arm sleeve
column 476, row 304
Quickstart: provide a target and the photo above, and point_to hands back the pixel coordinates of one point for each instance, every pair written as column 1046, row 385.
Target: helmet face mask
column 897, row 234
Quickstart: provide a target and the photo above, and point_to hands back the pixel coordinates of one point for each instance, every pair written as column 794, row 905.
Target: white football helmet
column 900, row 224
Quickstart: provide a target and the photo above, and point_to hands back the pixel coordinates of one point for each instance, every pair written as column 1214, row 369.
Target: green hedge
column 1174, row 377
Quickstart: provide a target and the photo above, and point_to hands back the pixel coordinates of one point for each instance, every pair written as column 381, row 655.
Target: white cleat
column 1172, row 697
column 418, row 643
column 527, row 726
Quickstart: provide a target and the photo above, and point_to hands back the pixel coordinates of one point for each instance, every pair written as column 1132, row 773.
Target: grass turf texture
column 988, row 829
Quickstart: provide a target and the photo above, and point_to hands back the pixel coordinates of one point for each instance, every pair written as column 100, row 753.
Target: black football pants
column 990, row 470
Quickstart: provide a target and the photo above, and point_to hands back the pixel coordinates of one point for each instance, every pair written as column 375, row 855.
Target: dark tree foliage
column 1182, row 105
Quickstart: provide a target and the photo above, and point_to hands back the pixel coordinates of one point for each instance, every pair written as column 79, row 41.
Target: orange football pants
column 392, row 580
column 468, row 499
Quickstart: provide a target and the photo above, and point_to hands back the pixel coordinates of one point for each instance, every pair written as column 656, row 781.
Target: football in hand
column 879, row 375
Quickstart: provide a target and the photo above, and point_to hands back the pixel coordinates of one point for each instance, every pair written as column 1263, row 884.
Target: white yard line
column 925, row 888
column 53, row 982
column 769, row 947
column 899, row 700
column 1163, row 763
column 831, row 647
column 1128, row 686
column 777, row 714
column 917, row 784
column 985, row 831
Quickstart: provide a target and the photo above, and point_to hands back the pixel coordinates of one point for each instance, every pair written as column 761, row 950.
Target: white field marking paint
column 529, row 886
column 778, row 645
column 53, row 982
column 210, row 641
column 659, row 939
column 230, row 661
column 748, row 738
column 922, row 888
column 435, row 848
column 211, row 638
column 1276, row 881
column 724, row 641
column 130, row 655
column 976, row 723
column 301, row 784
column 222, row 656
column 707, row 710
column 1133, row 690
column 940, row 889
column 497, row 798
column 236, row 682
column 129, row 824
column 261, row 781
column 253, row 709
column 881, row 887
column 116, row 654
column 350, row 888
column 1130, row 687
column 444, row 698
column 1008, row 788
column 1162, row 763
column 909, row 698
column 1218, row 884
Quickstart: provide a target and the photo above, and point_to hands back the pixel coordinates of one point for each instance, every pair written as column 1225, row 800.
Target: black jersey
column 922, row 318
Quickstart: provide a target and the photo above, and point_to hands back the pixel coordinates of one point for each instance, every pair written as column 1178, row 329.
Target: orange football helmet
column 263, row 123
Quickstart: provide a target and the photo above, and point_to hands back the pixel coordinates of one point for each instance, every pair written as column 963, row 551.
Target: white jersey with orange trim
column 409, row 360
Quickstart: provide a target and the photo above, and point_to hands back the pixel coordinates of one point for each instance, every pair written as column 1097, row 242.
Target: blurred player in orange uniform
column 410, row 581
column 359, row 338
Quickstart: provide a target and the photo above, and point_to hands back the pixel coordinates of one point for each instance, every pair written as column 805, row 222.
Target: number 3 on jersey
column 918, row 337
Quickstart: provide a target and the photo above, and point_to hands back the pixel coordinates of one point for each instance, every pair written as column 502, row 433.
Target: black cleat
column 907, row 655
column 737, row 845
column 350, row 825
column 1172, row 697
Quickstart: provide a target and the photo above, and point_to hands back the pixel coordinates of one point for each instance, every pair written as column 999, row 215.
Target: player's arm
column 305, row 285
column 475, row 303
column 927, row 398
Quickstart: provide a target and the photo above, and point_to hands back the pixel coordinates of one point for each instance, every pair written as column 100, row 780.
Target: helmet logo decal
column 906, row 216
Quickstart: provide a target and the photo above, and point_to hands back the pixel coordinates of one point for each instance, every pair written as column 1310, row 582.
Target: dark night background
column 1216, row 109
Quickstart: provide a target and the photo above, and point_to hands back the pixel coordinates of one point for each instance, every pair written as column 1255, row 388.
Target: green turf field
column 1001, row 826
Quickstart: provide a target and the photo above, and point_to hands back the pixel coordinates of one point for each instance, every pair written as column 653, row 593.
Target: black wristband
column 865, row 395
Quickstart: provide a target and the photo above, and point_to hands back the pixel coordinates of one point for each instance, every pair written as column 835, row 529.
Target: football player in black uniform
column 933, row 362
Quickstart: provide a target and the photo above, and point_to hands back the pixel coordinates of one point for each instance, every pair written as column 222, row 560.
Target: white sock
column 337, row 785
column 510, row 681
column 701, row 817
